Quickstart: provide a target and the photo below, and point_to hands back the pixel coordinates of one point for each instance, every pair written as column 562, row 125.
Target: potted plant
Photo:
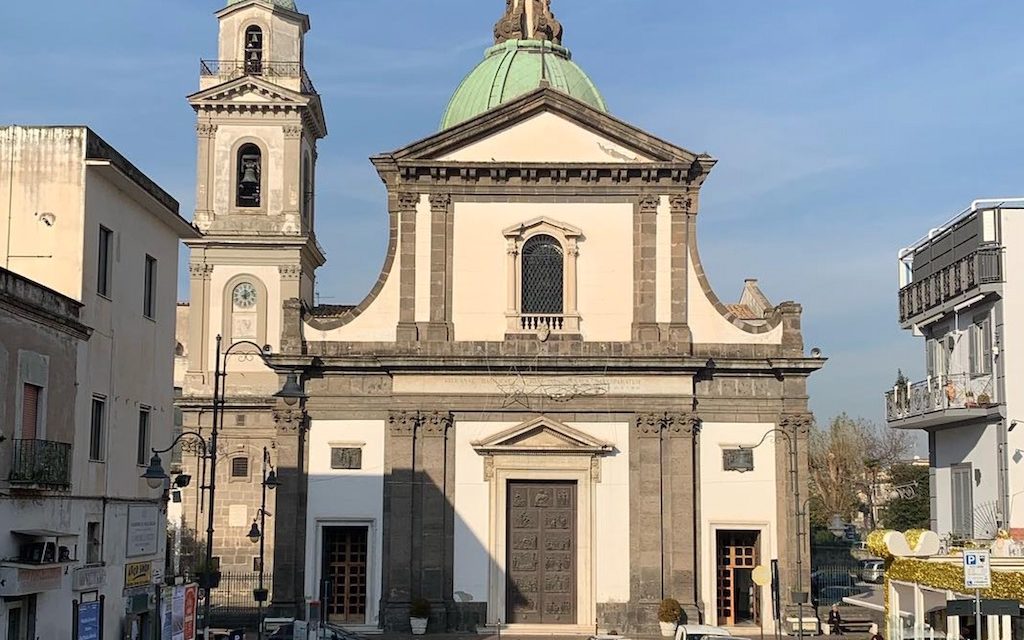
column 969, row 400
column 419, row 614
column 984, row 399
column 668, row 616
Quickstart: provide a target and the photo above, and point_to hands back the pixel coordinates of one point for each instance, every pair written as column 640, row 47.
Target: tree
column 846, row 459
column 908, row 505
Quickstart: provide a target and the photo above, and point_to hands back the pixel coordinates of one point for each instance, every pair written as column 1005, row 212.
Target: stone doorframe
column 542, row 449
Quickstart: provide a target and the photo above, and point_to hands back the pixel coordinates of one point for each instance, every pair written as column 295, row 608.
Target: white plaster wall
column 375, row 324
column 545, row 137
column 710, row 327
column 1012, row 344
column 423, row 236
column 604, row 267
column 977, row 445
column 270, row 277
column 339, row 497
column 611, row 516
column 733, row 500
column 130, row 358
column 663, row 261
column 269, row 136
column 47, row 176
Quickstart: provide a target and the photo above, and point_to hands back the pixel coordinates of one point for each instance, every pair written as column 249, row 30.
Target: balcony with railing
column 940, row 399
column 40, row 464
column 291, row 75
column 983, row 266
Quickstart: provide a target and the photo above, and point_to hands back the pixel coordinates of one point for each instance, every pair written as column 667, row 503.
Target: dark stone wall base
column 467, row 616
column 443, row 617
column 638, row 618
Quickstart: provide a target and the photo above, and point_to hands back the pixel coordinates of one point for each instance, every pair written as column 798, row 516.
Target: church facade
column 541, row 417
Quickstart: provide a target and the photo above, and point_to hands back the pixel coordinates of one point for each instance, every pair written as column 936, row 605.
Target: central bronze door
column 541, row 585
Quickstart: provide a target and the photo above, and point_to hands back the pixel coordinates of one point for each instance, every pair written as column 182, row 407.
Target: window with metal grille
column 542, row 278
column 30, row 411
column 96, row 448
column 240, row 467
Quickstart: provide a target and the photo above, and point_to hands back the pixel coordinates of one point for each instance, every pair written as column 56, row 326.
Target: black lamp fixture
column 155, row 474
column 272, row 482
column 292, row 391
column 254, row 533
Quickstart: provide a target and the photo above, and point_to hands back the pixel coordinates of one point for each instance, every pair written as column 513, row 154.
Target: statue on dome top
column 528, row 20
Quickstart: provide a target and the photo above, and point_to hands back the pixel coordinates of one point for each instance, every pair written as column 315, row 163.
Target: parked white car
column 701, row 632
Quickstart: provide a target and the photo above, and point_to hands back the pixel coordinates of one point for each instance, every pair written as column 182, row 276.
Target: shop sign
column 143, row 530
column 22, row 581
column 89, row 620
column 88, row 578
column 138, row 574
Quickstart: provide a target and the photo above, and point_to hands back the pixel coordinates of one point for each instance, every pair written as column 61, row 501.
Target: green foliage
column 904, row 512
column 670, row 610
column 419, row 608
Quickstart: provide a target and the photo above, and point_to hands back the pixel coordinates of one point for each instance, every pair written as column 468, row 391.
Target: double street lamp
column 258, row 534
column 155, row 474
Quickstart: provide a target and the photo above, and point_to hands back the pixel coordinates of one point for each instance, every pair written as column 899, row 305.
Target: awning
column 44, row 533
column 872, row 600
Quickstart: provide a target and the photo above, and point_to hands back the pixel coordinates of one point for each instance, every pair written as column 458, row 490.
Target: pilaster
column 205, row 132
column 292, row 167
column 407, row 330
column 199, row 273
column 645, row 234
column 679, row 482
column 795, row 553
column 291, row 497
column 681, row 207
column 440, row 329
column 646, row 586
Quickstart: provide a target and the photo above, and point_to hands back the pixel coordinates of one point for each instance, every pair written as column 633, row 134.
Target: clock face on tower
column 244, row 296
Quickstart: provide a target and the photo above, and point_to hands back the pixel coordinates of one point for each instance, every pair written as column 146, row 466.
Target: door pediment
column 542, row 436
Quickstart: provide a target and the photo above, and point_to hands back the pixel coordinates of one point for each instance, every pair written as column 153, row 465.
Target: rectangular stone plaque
column 741, row 460
column 346, row 458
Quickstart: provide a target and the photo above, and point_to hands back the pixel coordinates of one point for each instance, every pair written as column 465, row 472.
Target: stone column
column 646, row 586
column 439, row 328
column 200, row 341
column 290, row 502
column 797, row 426
column 680, row 526
column 397, row 590
column 681, row 207
column 407, row 330
column 645, row 233
column 291, row 176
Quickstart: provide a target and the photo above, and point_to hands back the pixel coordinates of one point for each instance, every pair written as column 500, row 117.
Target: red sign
column 191, row 594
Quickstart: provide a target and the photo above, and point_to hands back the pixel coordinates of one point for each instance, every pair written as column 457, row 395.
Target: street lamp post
column 258, row 534
column 798, row 519
column 291, row 393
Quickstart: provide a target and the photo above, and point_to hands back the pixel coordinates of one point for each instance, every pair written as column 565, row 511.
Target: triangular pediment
column 249, row 90
column 542, row 435
column 545, row 126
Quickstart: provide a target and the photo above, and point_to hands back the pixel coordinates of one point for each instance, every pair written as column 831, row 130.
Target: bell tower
column 259, row 118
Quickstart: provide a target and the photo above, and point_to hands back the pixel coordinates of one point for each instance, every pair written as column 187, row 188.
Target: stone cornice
column 483, row 174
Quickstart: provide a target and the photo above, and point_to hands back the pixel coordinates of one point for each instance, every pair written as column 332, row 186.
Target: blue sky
column 844, row 130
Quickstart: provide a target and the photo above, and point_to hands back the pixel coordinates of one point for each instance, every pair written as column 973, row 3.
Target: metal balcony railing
column 231, row 69
column 952, row 391
column 41, row 462
column 982, row 266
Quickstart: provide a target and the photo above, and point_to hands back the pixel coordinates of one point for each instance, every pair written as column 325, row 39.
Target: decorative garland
column 1006, row 585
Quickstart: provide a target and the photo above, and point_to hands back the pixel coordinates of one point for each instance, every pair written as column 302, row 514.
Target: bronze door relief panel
column 541, row 584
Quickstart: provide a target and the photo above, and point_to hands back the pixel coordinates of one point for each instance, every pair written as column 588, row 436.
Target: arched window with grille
column 254, row 51
column 250, row 175
column 543, row 276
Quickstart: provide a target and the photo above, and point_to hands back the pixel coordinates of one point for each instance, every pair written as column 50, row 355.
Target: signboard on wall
column 179, row 612
column 138, row 574
column 88, row 620
column 143, row 530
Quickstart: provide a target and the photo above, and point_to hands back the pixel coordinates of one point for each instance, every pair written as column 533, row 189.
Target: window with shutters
column 962, row 500
column 981, row 347
column 97, row 429
column 240, row 467
column 142, row 457
column 30, row 397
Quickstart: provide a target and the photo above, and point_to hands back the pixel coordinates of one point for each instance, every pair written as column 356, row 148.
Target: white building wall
column 472, row 508
column 1011, row 355
column 339, row 497
column 978, row 446
column 604, row 268
column 734, row 500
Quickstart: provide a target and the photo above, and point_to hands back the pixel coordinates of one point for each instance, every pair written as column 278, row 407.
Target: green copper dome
column 513, row 68
column 284, row 4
